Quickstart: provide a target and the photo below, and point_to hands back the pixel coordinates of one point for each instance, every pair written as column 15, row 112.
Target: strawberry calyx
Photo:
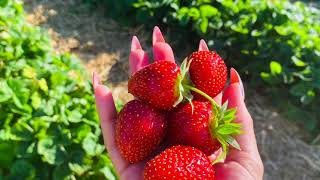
column 223, row 127
column 221, row 124
column 182, row 81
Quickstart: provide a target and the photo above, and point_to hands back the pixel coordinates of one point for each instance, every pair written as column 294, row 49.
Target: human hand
column 245, row 164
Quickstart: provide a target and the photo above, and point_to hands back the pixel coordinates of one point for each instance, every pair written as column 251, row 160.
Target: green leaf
column 232, row 142
column 5, row 92
column 266, row 77
column 81, row 132
column 194, row 13
column 22, row 169
column 275, row 67
column 283, row 30
column 107, row 172
column 204, row 25
column 43, row 85
column 230, row 128
column 74, row 116
column 21, row 131
column 51, row 152
column 62, row 172
column 298, row 62
column 91, row 146
column 207, row 11
column 6, row 154
column 3, row 3
column 79, row 169
column 26, row 149
column 229, row 115
column 29, row 72
column 57, row 78
column 78, row 162
column 35, row 100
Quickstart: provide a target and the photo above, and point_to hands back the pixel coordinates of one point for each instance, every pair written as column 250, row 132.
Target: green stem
column 213, row 102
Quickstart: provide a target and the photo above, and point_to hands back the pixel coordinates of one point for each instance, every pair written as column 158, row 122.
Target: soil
column 103, row 47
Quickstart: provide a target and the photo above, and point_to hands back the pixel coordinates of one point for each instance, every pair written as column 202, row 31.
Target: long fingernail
column 203, row 46
column 95, row 80
column 137, row 58
column 235, row 78
column 163, row 51
column 157, row 36
column 135, row 44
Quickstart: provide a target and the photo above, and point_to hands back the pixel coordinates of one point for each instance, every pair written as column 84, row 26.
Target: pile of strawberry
column 174, row 113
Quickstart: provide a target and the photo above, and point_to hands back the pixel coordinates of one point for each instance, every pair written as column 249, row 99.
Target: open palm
column 239, row 165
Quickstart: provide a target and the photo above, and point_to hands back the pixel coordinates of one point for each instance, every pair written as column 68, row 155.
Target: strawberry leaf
column 231, row 128
column 224, row 145
column 232, row 142
column 229, row 115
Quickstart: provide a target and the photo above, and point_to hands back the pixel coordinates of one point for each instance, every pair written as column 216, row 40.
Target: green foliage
column 276, row 44
column 49, row 128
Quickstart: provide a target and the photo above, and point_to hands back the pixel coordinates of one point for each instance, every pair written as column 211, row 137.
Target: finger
column 107, row 113
column 235, row 96
column 203, row 46
column 231, row 171
column 161, row 49
column 138, row 57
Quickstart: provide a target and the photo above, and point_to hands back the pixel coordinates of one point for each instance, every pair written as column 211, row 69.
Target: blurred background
column 48, row 48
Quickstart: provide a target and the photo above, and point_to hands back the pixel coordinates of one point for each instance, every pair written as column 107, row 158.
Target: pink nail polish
column 135, row 44
column 203, row 46
column 157, row 36
column 235, row 78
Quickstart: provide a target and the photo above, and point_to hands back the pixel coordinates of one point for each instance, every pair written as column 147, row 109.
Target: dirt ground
column 103, row 47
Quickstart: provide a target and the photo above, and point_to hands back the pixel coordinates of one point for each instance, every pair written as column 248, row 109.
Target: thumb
column 234, row 93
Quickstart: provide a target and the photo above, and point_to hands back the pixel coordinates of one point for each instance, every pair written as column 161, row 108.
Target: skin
column 239, row 165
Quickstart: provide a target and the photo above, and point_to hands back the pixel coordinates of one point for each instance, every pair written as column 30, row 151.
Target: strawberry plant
column 48, row 124
column 275, row 43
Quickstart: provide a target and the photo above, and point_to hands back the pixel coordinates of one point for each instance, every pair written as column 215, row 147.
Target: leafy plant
column 275, row 44
column 49, row 128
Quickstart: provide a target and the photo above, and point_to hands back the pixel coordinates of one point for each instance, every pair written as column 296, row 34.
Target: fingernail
column 235, row 78
column 163, row 51
column 157, row 36
column 137, row 58
column 203, row 46
column 95, row 80
column 135, row 44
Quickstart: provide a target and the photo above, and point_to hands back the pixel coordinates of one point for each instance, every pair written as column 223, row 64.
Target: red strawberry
column 199, row 125
column 139, row 130
column 157, row 84
column 179, row 162
column 187, row 128
column 208, row 72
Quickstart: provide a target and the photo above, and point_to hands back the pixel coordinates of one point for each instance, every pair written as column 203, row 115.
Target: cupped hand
column 239, row 165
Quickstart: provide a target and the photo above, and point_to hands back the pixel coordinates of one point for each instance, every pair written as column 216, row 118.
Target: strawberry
column 200, row 125
column 208, row 72
column 157, row 84
column 179, row 162
column 192, row 128
column 139, row 130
